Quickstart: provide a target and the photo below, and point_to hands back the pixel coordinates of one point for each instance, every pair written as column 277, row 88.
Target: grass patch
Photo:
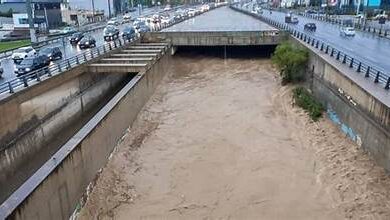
column 13, row 44
column 305, row 100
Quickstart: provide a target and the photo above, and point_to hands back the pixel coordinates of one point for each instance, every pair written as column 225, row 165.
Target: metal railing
column 16, row 84
column 377, row 75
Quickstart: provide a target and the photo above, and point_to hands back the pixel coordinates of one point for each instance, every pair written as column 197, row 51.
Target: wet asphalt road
column 66, row 48
column 222, row 19
column 366, row 47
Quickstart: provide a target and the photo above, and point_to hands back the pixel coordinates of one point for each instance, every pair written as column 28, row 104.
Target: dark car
column 32, row 64
column 128, row 33
column 143, row 29
column 87, row 42
column 310, row 27
column 110, row 33
column 75, row 38
column 53, row 53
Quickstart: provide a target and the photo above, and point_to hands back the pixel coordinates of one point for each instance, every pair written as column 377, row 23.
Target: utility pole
column 31, row 22
column 93, row 10
column 109, row 8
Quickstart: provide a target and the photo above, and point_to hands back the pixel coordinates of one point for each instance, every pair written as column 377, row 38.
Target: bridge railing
column 39, row 75
column 376, row 74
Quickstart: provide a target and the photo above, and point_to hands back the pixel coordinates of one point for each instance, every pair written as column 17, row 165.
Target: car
column 23, row 53
column 310, row 27
column 143, row 29
column 68, row 30
column 347, row 31
column 294, row 20
column 156, row 18
column 31, row 64
column 126, row 18
column 191, row 12
column 128, row 33
column 138, row 23
column 87, row 42
column 113, row 21
column 167, row 8
column 75, row 38
column 110, row 33
column 310, row 11
column 53, row 53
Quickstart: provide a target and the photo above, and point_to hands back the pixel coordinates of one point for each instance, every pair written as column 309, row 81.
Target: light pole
column 31, row 22
column 93, row 10
column 109, row 8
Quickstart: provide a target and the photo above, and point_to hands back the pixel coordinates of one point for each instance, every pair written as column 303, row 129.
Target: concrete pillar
column 173, row 50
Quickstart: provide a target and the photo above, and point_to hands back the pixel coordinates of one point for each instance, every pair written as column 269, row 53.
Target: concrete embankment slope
column 54, row 190
column 356, row 104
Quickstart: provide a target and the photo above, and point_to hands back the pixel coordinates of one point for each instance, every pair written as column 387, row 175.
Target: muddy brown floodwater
column 222, row 140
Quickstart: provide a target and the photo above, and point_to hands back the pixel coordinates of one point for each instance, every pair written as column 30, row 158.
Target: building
column 80, row 16
column 47, row 11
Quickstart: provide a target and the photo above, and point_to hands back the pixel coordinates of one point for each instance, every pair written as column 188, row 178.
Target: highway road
column 67, row 49
column 366, row 47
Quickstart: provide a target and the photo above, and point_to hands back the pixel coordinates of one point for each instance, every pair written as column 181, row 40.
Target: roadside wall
column 55, row 189
column 359, row 114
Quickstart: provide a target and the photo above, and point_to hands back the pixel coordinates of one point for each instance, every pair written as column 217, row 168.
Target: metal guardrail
column 15, row 84
column 378, row 75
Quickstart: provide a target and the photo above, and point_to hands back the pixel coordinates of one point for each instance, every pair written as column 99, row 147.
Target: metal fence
column 16, row 84
column 377, row 75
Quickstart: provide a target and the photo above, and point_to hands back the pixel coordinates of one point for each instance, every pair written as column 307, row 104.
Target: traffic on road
column 128, row 26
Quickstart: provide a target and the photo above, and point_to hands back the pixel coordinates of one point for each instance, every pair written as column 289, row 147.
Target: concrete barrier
column 38, row 119
column 55, row 189
column 218, row 38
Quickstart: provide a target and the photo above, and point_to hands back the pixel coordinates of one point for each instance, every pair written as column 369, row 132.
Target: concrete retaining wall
column 217, row 38
column 55, row 189
column 356, row 104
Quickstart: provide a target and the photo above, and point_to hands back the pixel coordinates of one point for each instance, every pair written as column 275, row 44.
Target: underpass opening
column 225, row 52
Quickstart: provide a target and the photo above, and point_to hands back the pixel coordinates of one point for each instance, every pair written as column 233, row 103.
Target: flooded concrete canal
column 220, row 139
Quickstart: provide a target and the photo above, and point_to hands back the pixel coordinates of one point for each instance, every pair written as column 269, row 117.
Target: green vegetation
column 292, row 61
column 13, row 44
column 305, row 100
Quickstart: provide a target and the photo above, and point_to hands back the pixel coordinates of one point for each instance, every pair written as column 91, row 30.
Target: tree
column 292, row 62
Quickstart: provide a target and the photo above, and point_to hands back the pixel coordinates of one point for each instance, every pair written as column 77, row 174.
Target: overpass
column 63, row 176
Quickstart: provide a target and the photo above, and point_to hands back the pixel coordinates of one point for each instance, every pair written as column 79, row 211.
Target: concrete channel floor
column 221, row 140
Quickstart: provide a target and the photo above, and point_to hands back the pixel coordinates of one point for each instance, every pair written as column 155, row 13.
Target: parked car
column 53, row 53
column 347, row 31
column 137, row 24
column 310, row 27
column 191, row 12
column 75, row 38
column 87, row 42
column 31, row 64
column 110, row 33
column 68, row 30
column 294, row 20
column 167, row 8
column 23, row 53
column 128, row 33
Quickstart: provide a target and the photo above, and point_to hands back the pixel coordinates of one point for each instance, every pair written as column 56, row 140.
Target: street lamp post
column 31, row 22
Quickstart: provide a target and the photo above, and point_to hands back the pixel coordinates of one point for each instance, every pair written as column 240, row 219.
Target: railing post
column 91, row 54
column 24, row 81
column 338, row 56
column 317, row 45
column 77, row 60
column 367, row 72
column 68, row 64
column 345, row 59
column 11, row 89
column 377, row 77
column 359, row 67
column 322, row 47
column 387, row 84
column 115, row 44
column 85, row 57
column 331, row 52
column 327, row 48
column 59, row 67
column 351, row 63
column 38, row 77
column 98, row 51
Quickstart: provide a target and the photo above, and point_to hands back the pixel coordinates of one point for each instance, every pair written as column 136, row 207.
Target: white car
column 347, row 31
column 205, row 8
column 126, row 18
column 191, row 12
column 167, row 8
column 22, row 53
